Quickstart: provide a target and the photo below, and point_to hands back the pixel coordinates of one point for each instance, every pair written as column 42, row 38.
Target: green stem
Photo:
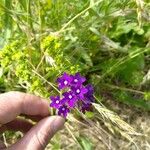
column 124, row 89
column 78, row 15
column 46, row 81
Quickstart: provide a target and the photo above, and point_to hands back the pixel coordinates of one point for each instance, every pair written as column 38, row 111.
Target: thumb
column 38, row 137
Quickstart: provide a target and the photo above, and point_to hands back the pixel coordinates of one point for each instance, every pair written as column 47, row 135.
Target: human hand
column 13, row 104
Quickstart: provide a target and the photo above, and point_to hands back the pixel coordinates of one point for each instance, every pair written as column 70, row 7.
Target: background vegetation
column 107, row 41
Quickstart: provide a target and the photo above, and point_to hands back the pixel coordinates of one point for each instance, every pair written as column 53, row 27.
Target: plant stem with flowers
column 75, row 94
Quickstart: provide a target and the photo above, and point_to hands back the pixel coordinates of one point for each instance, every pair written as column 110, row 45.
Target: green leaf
column 1, row 72
column 23, row 3
column 86, row 57
column 89, row 114
column 8, row 20
column 128, row 99
column 85, row 143
column 94, row 30
column 147, row 96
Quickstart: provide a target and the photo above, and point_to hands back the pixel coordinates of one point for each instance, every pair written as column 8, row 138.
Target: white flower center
column 70, row 96
column 76, row 80
column 78, row 91
column 65, row 82
column 63, row 109
column 57, row 102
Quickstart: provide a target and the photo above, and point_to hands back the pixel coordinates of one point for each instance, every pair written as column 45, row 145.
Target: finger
column 14, row 103
column 17, row 125
column 38, row 137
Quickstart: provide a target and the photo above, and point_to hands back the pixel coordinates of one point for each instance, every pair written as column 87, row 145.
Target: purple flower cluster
column 74, row 94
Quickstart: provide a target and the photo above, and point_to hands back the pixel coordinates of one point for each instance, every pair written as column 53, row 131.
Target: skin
column 36, row 137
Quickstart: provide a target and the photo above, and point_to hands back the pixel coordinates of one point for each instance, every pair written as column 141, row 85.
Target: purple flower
column 90, row 89
column 75, row 94
column 77, row 79
column 56, row 102
column 86, row 107
column 63, row 111
column 70, row 98
column 64, row 81
column 89, row 95
column 79, row 91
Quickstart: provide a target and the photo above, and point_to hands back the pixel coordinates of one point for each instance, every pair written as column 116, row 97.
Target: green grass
column 105, row 40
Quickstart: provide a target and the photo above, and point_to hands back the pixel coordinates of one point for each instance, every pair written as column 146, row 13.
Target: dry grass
column 101, row 138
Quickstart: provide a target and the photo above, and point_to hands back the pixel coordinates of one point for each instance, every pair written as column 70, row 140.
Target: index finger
column 13, row 104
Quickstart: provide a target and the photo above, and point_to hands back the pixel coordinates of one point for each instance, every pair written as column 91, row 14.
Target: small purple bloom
column 64, row 81
column 56, row 103
column 89, row 95
column 77, row 79
column 75, row 94
column 70, row 98
column 79, row 91
column 90, row 89
column 63, row 111
column 86, row 107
